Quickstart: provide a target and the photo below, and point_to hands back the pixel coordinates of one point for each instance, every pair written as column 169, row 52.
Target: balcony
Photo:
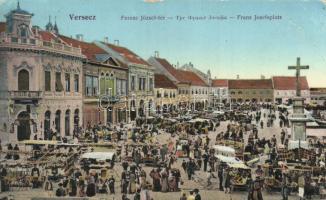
column 38, row 44
column 114, row 99
column 25, row 95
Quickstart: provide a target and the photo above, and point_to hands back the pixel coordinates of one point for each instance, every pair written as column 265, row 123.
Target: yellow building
column 166, row 94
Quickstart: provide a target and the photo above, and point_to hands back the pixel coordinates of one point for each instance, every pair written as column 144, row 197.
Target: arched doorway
column 150, row 107
column 47, row 124
column 76, row 119
column 132, row 110
column 141, row 108
column 57, row 121
column 24, row 128
column 67, row 123
column 23, row 80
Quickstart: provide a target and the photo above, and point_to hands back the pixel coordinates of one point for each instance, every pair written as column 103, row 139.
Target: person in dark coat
column 257, row 194
column 73, row 187
column 190, row 168
column 16, row 154
column 60, row 192
column 197, row 195
column 205, row 158
column 9, row 154
column 111, row 185
column 220, row 176
column 35, row 173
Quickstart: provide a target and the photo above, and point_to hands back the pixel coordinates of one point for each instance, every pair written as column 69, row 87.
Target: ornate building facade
column 41, row 80
column 105, row 85
column 140, row 96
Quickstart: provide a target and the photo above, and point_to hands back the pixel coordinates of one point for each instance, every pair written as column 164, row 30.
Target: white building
column 220, row 91
column 285, row 89
column 41, row 80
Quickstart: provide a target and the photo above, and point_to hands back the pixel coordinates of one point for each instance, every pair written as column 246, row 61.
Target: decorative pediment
column 47, row 67
column 68, row 69
column 58, row 68
column 23, row 65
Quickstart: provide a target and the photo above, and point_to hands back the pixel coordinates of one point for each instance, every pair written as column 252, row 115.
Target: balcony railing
column 25, row 94
column 33, row 42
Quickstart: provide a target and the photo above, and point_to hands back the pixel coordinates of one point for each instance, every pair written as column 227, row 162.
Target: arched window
column 76, row 118
column 57, row 120
column 47, row 124
column 23, row 80
column 23, row 31
column 67, row 123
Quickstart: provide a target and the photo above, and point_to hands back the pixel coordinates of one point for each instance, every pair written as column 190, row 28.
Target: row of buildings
column 54, row 82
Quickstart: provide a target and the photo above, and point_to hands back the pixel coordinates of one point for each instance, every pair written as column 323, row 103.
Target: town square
column 84, row 118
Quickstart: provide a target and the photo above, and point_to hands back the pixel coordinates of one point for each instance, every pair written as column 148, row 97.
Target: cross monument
column 298, row 118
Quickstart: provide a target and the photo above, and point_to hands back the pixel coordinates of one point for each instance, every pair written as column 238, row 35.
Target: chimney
column 106, row 40
column 80, row 37
column 215, row 77
column 262, row 77
column 156, row 54
column 238, row 76
column 116, row 42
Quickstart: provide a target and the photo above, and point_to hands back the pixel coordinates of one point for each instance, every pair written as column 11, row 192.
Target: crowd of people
column 146, row 164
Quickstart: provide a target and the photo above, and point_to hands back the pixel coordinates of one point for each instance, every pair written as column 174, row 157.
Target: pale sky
column 227, row 47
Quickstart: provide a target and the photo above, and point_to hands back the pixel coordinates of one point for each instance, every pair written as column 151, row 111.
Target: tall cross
column 298, row 67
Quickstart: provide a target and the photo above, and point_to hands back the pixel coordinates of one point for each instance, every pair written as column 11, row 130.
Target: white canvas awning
column 98, row 155
column 224, row 150
column 228, row 160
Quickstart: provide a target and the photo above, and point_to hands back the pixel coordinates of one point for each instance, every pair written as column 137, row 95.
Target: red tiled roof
column 161, row 81
column 289, row 83
column 182, row 76
column 2, row 27
column 220, row 83
column 47, row 36
column 127, row 54
column 251, row 84
column 88, row 49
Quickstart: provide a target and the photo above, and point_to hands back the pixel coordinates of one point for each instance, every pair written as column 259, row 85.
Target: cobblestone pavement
column 207, row 193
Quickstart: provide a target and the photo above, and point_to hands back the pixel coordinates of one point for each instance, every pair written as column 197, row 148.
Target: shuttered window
column 58, row 83
column 47, row 80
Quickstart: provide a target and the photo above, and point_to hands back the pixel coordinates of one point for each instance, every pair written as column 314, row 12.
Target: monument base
column 295, row 144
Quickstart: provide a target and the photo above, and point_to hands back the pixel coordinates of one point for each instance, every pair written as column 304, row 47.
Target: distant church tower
column 18, row 23
column 52, row 28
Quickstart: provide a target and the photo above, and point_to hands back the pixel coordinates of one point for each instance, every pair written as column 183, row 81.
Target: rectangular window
column 123, row 87
column 95, row 85
column 118, row 87
column 67, row 80
column 140, row 84
column 58, row 83
column 76, row 82
column 132, row 84
column 144, row 84
column 151, row 85
column 89, row 86
column 47, row 80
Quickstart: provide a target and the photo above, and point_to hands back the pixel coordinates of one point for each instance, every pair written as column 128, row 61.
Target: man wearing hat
column 197, row 195
column 60, row 192
column 257, row 195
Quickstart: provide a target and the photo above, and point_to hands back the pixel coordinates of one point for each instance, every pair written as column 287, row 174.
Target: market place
column 243, row 152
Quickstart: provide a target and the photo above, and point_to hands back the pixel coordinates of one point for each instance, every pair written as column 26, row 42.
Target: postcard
column 162, row 99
